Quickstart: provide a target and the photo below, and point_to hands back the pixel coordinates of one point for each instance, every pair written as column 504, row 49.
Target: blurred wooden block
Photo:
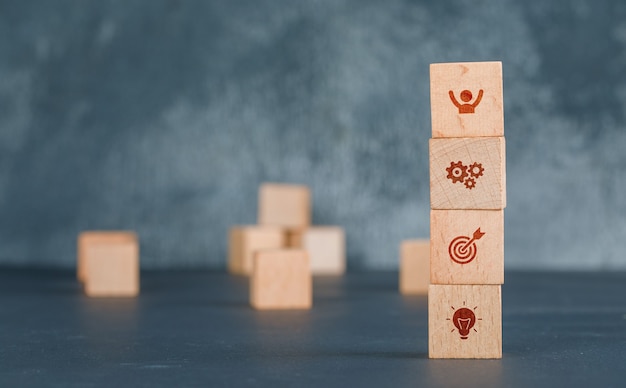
column 284, row 205
column 97, row 237
column 464, row 321
column 414, row 267
column 281, row 279
column 109, row 263
column 466, row 99
column 467, row 246
column 326, row 246
column 467, row 173
column 244, row 241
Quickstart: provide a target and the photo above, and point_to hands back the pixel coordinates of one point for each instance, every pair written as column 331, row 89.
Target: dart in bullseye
column 463, row 249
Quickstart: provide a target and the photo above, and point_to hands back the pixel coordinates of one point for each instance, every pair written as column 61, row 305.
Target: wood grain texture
column 450, row 231
column 244, row 241
column 281, row 279
column 326, row 246
column 111, row 265
column 484, row 119
column 468, row 173
column 464, row 321
column 284, row 205
column 414, row 277
column 97, row 237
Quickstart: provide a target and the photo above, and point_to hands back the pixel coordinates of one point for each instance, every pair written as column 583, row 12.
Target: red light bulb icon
column 464, row 319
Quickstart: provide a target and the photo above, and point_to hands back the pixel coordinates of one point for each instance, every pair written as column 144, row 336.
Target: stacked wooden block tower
column 282, row 252
column 468, row 197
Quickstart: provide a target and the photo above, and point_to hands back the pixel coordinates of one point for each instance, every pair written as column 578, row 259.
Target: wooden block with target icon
column 466, row 99
column 464, row 321
column 467, row 246
column 467, row 173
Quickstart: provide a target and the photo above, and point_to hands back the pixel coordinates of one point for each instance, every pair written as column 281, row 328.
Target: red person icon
column 466, row 97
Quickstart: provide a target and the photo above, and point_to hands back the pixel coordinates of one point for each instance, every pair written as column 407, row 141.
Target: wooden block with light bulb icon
column 467, row 246
column 466, row 99
column 464, row 321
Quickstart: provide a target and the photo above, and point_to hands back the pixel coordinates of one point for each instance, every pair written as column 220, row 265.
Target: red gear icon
column 457, row 172
column 470, row 183
column 476, row 170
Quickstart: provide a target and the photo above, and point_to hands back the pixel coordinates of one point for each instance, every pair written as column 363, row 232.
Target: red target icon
column 463, row 249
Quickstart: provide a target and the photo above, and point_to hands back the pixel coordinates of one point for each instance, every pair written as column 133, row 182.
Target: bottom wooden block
column 326, row 246
column 414, row 267
column 244, row 241
column 464, row 321
column 111, row 265
column 281, row 279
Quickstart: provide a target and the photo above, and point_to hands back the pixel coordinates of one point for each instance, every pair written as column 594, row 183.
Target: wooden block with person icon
column 466, row 99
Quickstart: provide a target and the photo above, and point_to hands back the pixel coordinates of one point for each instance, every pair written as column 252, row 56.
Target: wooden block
column 281, row 279
column 97, row 237
column 326, row 247
column 467, row 173
column 284, row 205
column 110, row 263
column 464, row 321
column 414, row 267
column 244, row 241
column 467, row 246
column 466, row 99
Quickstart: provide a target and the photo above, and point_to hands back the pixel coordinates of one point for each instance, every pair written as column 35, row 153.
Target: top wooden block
column 284, row 205
column 466, row 99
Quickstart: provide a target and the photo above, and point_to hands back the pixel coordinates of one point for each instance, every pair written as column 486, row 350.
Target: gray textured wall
column 164, row 117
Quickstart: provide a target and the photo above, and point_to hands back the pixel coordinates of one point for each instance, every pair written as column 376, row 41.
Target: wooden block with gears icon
column 285, row 205
column 465, row 321
column 414, row 276
column 281, row 279
column 466, row 99
column 468, row 173
column 467, row 246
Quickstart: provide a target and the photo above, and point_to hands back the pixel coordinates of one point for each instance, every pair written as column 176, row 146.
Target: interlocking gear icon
column 458, row 172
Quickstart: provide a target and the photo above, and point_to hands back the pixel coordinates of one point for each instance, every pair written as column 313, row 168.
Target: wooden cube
column 414, row 267
column 281, row 279
column 464, row 321
column 284, row 205
column 326, row 247
column 467, row 173
column 466, row 99
column 467, row 246
column 244, row 241
column 97, row 237
column 109, row 263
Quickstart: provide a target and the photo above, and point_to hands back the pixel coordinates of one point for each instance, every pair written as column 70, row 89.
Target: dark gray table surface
column 195, row 328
